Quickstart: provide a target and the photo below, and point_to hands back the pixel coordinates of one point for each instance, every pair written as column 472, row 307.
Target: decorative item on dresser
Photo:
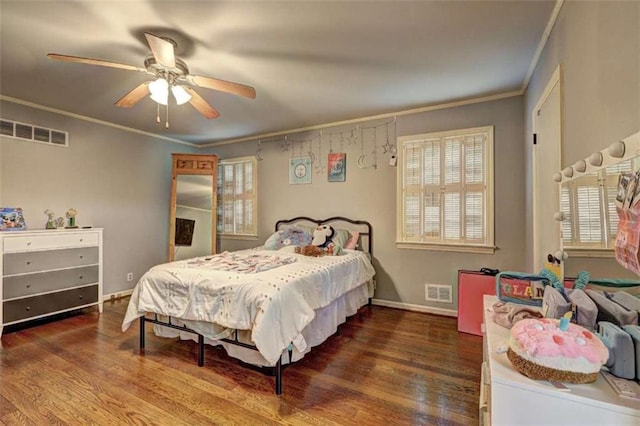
column 45, row 272
column 11, row 219
column 504, row 392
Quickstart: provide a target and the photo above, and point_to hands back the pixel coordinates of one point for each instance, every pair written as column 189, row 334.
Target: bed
column 267, row 308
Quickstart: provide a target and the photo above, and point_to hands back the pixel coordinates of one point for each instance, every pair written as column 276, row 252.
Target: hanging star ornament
column 387, row 147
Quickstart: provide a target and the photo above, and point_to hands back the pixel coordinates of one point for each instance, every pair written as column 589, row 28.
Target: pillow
column 340, row 237
column 352, row 242
column 287, row 237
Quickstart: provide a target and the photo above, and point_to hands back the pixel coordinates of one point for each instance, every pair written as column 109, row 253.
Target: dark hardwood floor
column 386, row 366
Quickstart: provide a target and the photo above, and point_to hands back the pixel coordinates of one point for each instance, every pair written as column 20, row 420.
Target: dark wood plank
column 384, row 366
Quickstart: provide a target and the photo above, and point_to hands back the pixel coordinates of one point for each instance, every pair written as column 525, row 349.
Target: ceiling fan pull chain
column 166, row 124
column 158, row 114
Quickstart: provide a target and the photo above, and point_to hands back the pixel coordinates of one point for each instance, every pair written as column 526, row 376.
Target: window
column 588, row 203
column 238, row 197
column 445, row 194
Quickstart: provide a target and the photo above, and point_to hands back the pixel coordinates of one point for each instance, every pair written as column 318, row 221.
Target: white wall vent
column 32, row 133
column 438, row 293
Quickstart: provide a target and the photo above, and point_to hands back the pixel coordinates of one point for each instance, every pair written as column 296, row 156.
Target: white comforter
column 275, row 305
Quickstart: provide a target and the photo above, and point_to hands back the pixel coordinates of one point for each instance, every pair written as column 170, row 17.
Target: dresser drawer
column 25, row 285
column 28, row 262
column 20, row 309
column 54, row 240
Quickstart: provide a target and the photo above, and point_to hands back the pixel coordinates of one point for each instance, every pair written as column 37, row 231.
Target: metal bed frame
column 277, row 369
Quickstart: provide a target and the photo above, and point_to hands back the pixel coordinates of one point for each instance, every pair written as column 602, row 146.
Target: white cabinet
column 45, row 272
column 509, row 398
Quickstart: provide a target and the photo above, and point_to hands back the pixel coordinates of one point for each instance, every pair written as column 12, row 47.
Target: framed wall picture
column 11, row 219
column 300, row 170
column 337, row 167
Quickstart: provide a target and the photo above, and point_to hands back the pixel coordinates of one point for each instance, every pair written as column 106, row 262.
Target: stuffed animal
column 288, row 237
column 315, row 251
column 310, row 250
column 322, row 236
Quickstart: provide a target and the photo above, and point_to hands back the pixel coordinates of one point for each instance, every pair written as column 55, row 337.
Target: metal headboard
column 362, row 226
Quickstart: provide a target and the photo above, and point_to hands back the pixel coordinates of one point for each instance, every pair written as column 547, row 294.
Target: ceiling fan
column 171, row 74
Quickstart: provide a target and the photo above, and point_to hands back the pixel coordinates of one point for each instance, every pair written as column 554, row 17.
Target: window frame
column 440, row 244
column 221, row 198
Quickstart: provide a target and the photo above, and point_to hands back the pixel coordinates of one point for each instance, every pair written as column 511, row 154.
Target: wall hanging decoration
column 320, row 167
column 362, row 163
column 285, row 144
column 258, row 154
column 372, row 141
column 300, row 170
column 310, row 153
column 352, row 138
column 11, row 219
column 374, row 152
column 337, row 167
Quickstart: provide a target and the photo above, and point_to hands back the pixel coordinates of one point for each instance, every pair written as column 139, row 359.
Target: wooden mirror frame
column 192, row 164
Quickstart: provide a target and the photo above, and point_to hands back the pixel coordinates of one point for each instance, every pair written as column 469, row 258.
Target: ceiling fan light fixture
column 159, row 91
column 181, row 95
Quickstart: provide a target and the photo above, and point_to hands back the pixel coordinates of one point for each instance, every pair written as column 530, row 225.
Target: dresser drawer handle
column 81, row 257
column 81, row 240
column 28, row 308
column 29, row 243
column 80, row 297
column 80, row 277
column 28, row 263
column 28, row 285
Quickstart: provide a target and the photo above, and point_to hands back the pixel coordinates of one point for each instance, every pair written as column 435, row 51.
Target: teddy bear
column 310, row 250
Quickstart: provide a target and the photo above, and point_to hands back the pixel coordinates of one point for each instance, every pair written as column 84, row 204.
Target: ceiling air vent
column 28, row 132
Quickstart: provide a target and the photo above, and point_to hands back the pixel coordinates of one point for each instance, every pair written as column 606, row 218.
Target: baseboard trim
column 116, row 295
column 417, row 308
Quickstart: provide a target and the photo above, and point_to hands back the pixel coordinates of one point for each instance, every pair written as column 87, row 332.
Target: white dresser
column 45, row 272
column 509, row 398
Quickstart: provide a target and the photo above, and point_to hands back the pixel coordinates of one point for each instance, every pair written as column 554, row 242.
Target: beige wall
column 120, row 181
column 597, row 45
column 371, row 195
column 115, row 179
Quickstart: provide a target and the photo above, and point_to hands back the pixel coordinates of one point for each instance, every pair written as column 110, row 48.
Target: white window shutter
column 444, row 188
column 237, row 196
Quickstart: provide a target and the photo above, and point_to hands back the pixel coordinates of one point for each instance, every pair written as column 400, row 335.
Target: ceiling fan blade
column 94, row 62
column 162, row 50
column 134, row 96
column 200, row 104
column 223, row 86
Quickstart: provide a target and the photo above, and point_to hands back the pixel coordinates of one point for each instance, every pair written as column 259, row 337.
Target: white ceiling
column 311, row 62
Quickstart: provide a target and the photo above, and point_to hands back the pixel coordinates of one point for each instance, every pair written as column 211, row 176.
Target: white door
column 546, row 162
